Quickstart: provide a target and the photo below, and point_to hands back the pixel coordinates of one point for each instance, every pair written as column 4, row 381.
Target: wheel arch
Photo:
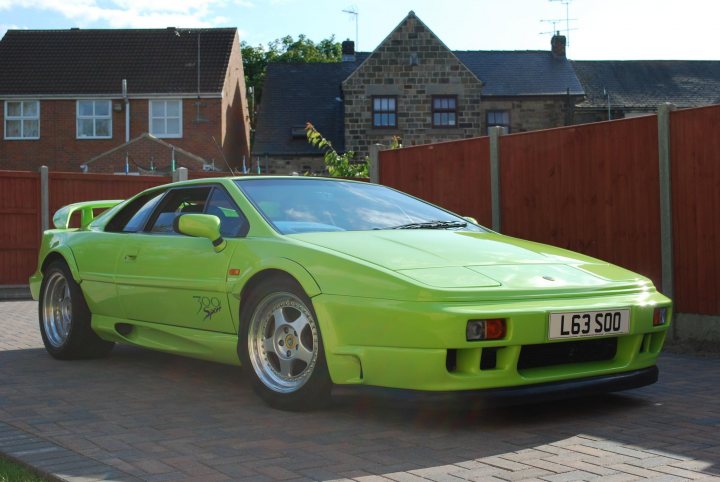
column 309, row 286
column 62, row 254
column 278, row 267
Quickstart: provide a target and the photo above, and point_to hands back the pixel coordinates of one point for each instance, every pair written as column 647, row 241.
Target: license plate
column 588, row 323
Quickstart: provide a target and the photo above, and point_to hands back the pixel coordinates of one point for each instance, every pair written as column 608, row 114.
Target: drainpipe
column 127, row 110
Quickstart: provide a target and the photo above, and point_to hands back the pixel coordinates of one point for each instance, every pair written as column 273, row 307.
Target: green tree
column 338, row 165
column 285, row 49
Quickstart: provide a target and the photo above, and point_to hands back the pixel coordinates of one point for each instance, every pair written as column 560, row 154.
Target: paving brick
column 569, row 476
column 631, row 469
column 677, row 472
column 524, row 474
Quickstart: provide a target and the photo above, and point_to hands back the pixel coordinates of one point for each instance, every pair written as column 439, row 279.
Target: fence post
column 180, row 174
column 495, row 133
column 666, row 237
column 375, row 163
column 44, row 199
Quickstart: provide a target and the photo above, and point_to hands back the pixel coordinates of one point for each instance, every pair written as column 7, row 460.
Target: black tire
column 72, row 338
column 263, row 366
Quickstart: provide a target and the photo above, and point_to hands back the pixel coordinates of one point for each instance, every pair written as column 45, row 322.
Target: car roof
column 256, row 178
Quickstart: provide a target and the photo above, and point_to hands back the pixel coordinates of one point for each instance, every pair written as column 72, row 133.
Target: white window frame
column 93, row 117
column 150, row 118
column 498, row 124
column 21, row 118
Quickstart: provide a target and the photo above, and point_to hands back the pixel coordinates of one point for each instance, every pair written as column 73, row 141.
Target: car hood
column 461, row 259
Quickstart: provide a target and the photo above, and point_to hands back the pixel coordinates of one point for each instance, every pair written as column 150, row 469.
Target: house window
column 166, row 118
column 384, row 112
column 22, row 119
column 499, row 118
column 94, row 119
column 444, row 111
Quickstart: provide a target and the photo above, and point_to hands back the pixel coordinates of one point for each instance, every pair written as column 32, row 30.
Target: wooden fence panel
column 20, row 221
column 20, row 210
column 454, row 175
column 590, row 188
column 67, row 188
column 695, row 171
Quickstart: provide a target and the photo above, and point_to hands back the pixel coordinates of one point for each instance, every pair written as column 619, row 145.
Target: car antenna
column 223, row 156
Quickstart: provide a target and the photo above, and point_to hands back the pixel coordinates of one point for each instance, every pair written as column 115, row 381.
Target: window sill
column 22, row 138
column 167, row 136
column 87, row 138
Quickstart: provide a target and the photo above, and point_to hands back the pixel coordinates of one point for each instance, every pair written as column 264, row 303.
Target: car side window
column 132, row 217
column 138, row 221
column 232, row 221
column 178, row 201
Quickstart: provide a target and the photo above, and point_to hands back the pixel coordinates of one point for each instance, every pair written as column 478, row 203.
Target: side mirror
column 201, row 226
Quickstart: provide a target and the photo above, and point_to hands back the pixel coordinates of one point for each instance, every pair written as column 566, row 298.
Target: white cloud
column 134, row 13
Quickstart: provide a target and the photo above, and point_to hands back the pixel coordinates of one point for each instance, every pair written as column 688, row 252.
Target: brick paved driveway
column 139, row 415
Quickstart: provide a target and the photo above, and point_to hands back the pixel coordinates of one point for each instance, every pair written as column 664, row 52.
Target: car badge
column 549, row 278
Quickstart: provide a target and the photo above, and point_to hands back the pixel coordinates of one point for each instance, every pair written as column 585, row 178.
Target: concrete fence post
column 44, row 199
column 495, row 133
column 375, row 162
column 180, row 174
column 666, row 234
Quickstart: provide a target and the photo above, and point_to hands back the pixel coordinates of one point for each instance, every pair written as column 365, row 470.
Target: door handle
column 131, row 254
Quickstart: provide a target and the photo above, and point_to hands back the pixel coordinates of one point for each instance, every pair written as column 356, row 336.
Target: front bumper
column 536, row 393
column 422, row 345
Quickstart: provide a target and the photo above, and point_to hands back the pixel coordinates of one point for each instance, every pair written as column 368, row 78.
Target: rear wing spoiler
column 61, row 219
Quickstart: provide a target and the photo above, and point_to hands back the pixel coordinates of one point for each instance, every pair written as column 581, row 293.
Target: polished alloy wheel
column 57, row 310
column 283, row 342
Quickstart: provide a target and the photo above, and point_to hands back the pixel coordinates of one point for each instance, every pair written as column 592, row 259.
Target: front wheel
column 283, row 347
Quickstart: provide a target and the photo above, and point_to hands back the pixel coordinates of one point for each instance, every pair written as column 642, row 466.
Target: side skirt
column 205, row 345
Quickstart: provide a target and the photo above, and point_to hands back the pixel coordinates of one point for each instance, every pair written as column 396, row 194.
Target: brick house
column 69, row 96
column 411, row 86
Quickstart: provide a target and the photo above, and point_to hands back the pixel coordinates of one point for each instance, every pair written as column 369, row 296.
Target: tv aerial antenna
column 555, row 30
column 567, row 20
column 353, row 12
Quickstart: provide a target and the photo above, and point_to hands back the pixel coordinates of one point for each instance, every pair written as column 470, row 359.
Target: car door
column 96, row 252
column 165, row 277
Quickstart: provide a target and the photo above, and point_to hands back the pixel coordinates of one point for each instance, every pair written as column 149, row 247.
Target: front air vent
column 581, row 351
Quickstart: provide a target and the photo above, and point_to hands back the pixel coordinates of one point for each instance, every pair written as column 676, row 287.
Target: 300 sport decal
column 209, row 305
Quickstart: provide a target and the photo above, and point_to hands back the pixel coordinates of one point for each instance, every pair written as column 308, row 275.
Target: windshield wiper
column 432, row 225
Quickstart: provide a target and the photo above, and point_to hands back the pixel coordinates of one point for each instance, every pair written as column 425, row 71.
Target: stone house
column 617, row 89
column 411, row 86
column 69, row 96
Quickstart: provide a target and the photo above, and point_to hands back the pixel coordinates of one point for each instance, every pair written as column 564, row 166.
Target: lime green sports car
column 311, row 282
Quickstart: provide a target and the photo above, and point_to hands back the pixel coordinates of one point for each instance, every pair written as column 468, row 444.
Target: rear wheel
column 283, row 347
column 65, row 317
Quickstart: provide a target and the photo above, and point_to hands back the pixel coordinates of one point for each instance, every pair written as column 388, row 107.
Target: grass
column 13, row 472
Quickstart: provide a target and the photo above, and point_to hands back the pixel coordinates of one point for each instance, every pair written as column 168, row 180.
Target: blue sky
column 605, row 29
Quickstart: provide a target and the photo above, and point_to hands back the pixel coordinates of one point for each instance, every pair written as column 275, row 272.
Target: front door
column 165, row 277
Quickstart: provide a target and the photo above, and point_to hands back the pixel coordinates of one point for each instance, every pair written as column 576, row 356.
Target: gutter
column 114, row 95
column 127, row 110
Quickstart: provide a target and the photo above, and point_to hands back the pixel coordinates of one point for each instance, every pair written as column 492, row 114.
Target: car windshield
column 316, row 205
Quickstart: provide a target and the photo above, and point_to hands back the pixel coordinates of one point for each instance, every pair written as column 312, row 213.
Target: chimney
column 348, row 51
column 557, row 44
